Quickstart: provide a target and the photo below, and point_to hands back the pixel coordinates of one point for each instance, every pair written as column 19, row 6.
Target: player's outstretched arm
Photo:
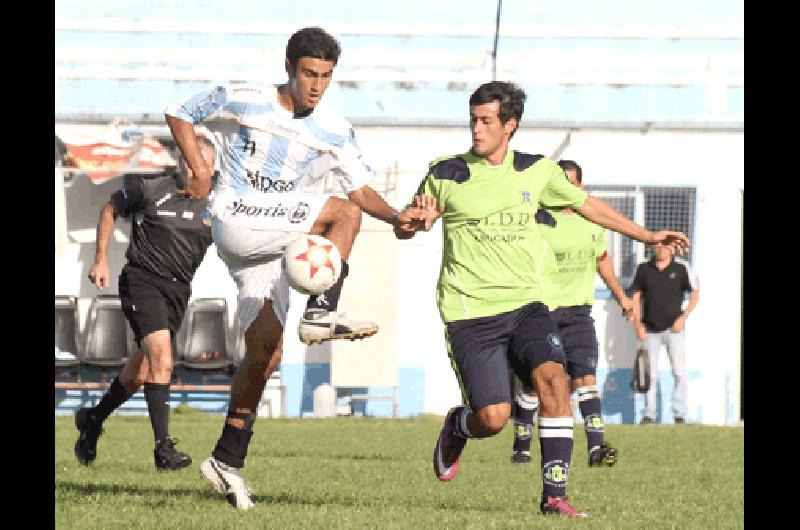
column 606, row 270
column 98, row 274
column 600, row 212
column 199, row 182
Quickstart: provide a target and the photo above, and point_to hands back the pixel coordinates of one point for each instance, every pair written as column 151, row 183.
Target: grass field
column 376, row 473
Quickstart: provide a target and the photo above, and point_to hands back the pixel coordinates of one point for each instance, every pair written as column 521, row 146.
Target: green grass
column 376, row 473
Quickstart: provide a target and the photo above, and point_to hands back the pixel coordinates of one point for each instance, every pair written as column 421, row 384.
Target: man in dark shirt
column 170, row 234
column 660, row 284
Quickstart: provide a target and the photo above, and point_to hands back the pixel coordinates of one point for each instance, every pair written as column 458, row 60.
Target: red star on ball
column 314, row 267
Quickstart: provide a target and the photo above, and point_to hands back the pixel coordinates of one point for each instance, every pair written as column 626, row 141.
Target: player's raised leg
column 339, row 221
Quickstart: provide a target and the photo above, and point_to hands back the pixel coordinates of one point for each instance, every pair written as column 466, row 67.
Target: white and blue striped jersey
column 271, row 163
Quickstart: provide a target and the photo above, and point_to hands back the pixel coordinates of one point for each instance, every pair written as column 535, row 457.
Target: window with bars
column 655, row 208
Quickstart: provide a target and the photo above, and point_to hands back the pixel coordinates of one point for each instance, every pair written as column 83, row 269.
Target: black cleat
column 90, row 430
column 679, row 421
column 646, row 420
column 521, row 457
column 167, row 457
column 602, row 455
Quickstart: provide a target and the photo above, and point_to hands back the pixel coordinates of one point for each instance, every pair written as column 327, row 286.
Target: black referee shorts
column 576, row 327
column 482, row 350
column 150, row 302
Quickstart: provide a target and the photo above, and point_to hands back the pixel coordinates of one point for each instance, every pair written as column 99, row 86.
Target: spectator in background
column 581, row 254
column 170, row 234
column 658, row 290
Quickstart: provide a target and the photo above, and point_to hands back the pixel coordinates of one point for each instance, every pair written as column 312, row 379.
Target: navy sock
column 157, row 397
column 555, row 439
column 115, row 396
column 590, row 405
column 329, row 299
column 525, row 407
column 459, row 419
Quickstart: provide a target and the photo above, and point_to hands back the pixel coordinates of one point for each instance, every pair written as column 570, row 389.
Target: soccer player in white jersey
column 276, row 145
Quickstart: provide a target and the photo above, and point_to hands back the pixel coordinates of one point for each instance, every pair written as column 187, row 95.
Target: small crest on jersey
column 554, row 340
column 671, row 275
column 299, row 213
column 594, row 238
column 526, row 197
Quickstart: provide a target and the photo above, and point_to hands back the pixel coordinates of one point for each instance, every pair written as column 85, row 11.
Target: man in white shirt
column 276, row 144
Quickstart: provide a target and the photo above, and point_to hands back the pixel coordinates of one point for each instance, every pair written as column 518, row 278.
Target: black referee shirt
column 662, row 291
column 170, row 233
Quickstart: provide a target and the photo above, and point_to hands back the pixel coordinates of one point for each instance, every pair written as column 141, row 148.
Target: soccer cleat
column 167, row 457
column 227, row 481
column 90, row 430
column 679, row 421
column 559, row 505
column 602, row 454
column 646, row 420
column 521, row 457
column 447, row 454
column 318, row 325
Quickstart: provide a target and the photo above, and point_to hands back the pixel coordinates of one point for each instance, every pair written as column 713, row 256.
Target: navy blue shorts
column 484, row 351
column 150, row 302
column 576, row 327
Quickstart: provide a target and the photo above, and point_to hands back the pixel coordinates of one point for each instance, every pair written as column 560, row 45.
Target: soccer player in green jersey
column 581, row 252
column 491, row 291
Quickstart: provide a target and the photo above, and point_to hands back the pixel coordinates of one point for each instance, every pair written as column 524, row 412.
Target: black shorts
column 483, row 349
column 576, row 327
column 150, row 302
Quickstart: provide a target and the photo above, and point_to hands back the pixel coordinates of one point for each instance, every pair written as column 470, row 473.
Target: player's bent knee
column 494, row 418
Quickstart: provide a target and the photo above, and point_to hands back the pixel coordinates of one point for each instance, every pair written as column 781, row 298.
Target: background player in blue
column 581, row 252
column 170, row 234
column 491, row 293
column 276, row 146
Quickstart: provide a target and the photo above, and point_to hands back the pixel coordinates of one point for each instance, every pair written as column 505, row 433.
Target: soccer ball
column 312, row 264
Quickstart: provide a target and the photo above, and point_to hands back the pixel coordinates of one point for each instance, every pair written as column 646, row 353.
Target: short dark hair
column 312, row 42
column 511, row 98
column 571, row 164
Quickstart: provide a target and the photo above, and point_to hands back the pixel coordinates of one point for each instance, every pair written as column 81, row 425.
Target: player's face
column 663, row 252
column 489, row 134
column 309, row 81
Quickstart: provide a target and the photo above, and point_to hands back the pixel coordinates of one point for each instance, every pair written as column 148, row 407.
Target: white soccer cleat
column 227, row 481
column 318, row 325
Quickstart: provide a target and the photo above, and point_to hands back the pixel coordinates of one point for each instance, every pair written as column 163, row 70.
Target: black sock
column 524, row 410
column 459, row 419
column 232, row 446
column 555, row 439
column 115, row 396
column 157, row 397
column 329, row 299
column 589, row 403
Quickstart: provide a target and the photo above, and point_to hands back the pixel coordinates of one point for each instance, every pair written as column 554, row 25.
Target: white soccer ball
column 312, row 264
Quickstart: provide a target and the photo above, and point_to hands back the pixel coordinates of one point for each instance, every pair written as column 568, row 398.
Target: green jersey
column 577, row 244
column 494, row 257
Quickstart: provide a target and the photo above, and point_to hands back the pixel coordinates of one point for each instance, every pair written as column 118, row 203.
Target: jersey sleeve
column 559, row 192
column 430, row 186
column 129, row 199
column 350, row 170
column 199, row 106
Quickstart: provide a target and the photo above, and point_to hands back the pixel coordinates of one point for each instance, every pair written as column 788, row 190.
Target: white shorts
column 253, row 258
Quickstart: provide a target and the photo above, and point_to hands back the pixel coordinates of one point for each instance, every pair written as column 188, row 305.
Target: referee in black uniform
column 170, row 234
